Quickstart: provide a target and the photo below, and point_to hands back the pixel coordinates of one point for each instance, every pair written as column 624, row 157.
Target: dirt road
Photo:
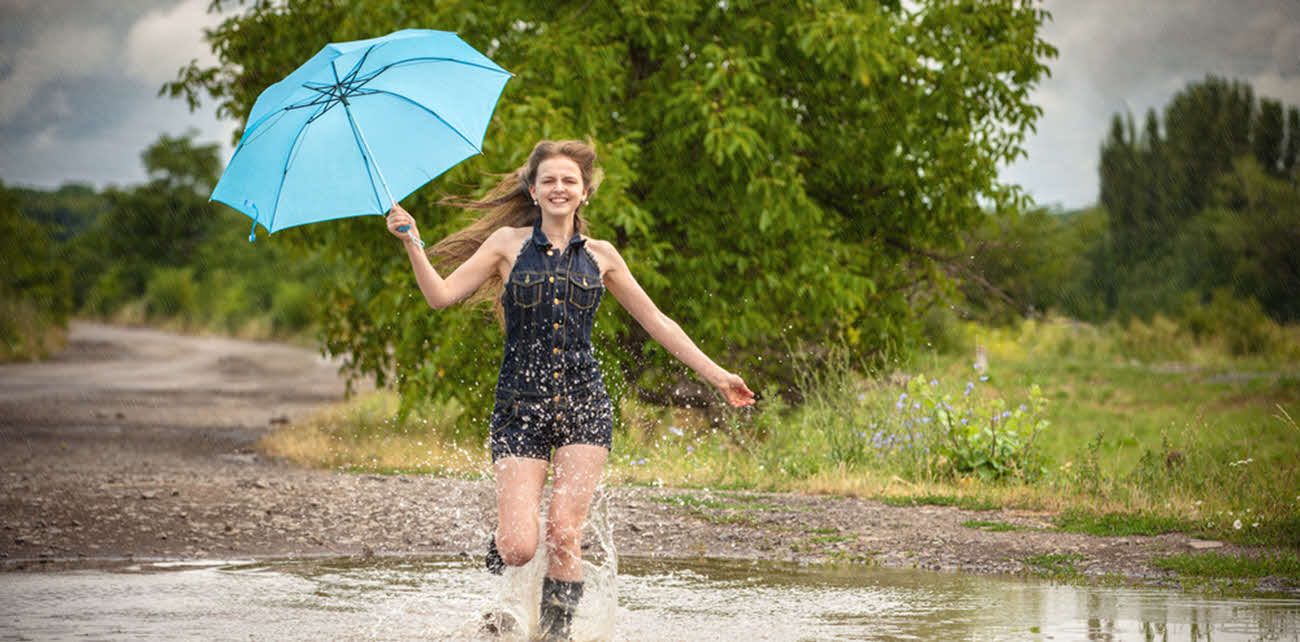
column 135, row 443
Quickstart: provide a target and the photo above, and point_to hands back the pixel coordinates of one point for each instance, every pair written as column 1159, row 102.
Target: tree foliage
column 1190, row 208
column 777, row 174
column 159, row 224
column 32, row 268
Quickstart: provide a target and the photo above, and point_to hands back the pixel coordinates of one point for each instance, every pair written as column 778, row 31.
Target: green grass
column 1284, row 565
column 993, row 527
column 28, row 332
column 1122, row 525
column 965, row 502
column 1056, row 566
column 728, row 509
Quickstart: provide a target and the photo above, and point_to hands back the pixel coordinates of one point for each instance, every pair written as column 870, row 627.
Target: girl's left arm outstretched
column 618, row 279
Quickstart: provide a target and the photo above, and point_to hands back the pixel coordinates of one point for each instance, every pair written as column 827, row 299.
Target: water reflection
column 404, row 598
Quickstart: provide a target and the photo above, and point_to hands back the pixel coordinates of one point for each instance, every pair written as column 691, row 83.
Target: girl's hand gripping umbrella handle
column 400, row 222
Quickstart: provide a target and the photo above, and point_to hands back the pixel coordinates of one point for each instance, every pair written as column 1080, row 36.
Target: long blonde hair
column 509, row 204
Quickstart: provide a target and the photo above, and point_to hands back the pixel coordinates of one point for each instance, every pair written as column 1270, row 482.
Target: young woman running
column 551, row 408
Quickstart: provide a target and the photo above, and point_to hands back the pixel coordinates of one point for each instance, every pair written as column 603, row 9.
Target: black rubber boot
column 559, row 600
column 492, row 561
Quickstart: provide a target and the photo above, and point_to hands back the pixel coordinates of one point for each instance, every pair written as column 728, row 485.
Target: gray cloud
column 79, row 83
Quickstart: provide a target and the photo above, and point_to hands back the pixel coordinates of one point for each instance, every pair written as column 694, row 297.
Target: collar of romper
column 540, row 239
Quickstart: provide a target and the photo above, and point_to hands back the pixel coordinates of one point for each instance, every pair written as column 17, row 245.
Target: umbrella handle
column 406, row 229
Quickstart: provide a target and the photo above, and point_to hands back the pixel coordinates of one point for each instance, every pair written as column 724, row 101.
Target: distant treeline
column 1200, row 211
column 156, row 252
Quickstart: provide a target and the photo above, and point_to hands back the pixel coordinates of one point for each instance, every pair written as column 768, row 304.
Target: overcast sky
column 79, row 80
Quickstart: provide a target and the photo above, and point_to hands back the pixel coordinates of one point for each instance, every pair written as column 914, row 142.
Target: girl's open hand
column 399, row 217
column 734, row 389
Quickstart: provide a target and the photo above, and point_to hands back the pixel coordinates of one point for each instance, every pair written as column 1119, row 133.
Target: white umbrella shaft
column 370, row 160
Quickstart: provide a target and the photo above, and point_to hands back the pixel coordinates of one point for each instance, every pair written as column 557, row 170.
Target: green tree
column 160, row 223
column 1292, row 142
column 67, row 211
column 777, row 174
column 34, row 279
column 1257, row 241
column 1268, row 134
column 1032, row 262
column 1208, row 125
column 1161, row 191
column 1119, row 187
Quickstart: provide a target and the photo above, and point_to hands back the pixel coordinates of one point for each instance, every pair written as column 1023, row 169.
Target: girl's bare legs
column 519, row 482
column 577, row 471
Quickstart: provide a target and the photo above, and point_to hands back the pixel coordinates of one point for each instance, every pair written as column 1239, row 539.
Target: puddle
column 418, row 598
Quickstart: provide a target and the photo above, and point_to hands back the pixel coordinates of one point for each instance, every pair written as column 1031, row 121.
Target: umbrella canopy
column 359, row 126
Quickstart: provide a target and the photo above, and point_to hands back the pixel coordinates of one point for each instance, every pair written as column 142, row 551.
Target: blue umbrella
column 359, row 126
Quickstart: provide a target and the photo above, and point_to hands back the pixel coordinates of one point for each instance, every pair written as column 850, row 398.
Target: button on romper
column 550, row 392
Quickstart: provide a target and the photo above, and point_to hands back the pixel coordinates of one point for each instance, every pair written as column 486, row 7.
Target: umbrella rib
column 424, row 59
column 356, row 137
column 431, row 113
column 251, row 135
column 284, row 174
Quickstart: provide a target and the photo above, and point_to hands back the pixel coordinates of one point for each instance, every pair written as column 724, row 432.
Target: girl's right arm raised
column 464, row 280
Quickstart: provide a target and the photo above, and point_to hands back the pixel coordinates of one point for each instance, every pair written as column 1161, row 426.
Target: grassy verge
column 1284, row 565
column 27, row 332
column 1232, row 573
column 1101, row 426
column 367, row 435
column 1056, row 566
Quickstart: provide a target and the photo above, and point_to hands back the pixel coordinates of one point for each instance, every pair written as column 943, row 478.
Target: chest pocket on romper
column 584, row 290
column 526, row 288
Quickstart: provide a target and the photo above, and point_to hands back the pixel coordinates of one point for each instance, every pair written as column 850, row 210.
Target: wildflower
column 862, row 396
column 916, row 405
column 970, row 385
column 984, row 377
column 1236, row 524
column 690, row 449
column 963, row 421
column 934, row 382
column 638, row 462
column 675, row 430
column 1006, row 414
column 925, row 420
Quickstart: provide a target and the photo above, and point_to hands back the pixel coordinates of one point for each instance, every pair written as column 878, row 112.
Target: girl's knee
column 563, row 534
column 516, row 550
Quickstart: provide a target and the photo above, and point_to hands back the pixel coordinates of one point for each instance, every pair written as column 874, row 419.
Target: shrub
column 1240, row 324
column 170, row 293
column 942, row 435
column 291, row 307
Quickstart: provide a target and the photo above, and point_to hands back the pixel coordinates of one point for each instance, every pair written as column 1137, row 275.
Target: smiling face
column 558, row 187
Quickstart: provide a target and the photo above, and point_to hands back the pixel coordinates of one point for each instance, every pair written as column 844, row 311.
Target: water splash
column 519, row 595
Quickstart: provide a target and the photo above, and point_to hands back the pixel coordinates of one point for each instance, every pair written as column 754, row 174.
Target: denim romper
column 550, row 392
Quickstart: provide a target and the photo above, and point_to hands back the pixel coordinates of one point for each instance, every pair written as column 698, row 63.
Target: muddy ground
column 139, row 444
